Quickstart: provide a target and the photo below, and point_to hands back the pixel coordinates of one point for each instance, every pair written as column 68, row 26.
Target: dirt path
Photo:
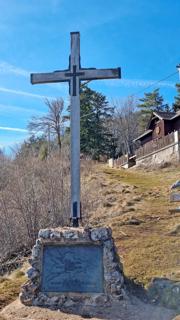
column 124, row 310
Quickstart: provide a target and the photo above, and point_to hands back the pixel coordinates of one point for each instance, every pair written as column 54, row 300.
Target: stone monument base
column 73, row 267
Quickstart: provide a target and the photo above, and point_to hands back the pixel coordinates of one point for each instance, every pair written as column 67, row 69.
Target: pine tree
column 96, row 139
column 176, row 104
column 152, row 101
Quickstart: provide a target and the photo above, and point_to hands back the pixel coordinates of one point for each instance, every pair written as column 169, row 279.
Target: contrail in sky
column 6, row 68
column 13, row 129
column 136, row 83
column 25, row 93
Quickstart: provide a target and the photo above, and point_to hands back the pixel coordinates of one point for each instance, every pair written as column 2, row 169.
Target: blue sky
column 140, row 36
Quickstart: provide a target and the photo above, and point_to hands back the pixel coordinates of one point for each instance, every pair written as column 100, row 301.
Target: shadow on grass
column 161, row 292
column 136, row 289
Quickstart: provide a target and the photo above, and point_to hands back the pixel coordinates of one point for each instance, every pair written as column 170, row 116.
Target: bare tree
column 125, row 125
column 52, row 123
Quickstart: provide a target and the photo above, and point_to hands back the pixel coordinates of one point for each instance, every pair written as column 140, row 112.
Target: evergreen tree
column 176, row 104
column 96, row 139
column 152, row 101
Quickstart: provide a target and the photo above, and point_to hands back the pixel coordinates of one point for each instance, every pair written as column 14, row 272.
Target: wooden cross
column 74, row 74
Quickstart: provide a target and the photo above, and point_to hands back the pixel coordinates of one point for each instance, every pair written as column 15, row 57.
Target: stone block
column 101, row 234
column 44, row 233
column 32, row 273
column 73, row 267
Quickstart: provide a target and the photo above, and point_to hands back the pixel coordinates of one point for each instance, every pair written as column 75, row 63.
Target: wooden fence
column 155, row 145
column 122, row 160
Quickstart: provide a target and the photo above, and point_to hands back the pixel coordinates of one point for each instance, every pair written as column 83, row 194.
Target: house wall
column 158, row 134
column 170, row 153
column 169, row 127
column 165, row 127
column 145, row 139
column 176, row 124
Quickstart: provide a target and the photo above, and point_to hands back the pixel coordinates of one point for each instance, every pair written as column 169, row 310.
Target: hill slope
column 136, row 205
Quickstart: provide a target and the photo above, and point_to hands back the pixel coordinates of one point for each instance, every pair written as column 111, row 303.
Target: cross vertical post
column 73, row 75
column 75, row 129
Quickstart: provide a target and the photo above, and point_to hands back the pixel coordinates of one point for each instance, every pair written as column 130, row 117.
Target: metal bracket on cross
column 74, row 75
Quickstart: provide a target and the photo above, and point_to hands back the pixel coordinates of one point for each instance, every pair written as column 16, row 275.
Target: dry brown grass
column 116, row 197
column 147, row 249
column 10, row 287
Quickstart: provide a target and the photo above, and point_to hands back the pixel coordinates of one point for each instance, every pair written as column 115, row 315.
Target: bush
column 34, row 194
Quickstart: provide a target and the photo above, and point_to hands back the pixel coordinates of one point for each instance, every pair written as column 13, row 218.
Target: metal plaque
column 72, row 268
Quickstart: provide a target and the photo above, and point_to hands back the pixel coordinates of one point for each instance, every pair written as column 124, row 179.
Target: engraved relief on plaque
column 72, row 268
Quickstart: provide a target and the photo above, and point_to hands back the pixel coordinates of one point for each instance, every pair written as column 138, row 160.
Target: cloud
column 25, row 93
column 14, row 129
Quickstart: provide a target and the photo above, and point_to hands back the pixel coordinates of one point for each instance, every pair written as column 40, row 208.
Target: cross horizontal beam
column 95, row 74
column 56, row 76
column 84, row 74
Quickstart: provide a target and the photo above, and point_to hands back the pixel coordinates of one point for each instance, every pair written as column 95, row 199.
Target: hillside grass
column 147, row 236
column 10, row 287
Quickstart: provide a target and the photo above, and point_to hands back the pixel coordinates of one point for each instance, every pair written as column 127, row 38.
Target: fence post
column 177, row 143
column 111, row 163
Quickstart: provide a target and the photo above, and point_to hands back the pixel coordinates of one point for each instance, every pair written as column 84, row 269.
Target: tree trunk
column 59, row 140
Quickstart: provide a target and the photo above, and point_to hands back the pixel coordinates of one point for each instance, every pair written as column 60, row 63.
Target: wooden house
column 160, row 125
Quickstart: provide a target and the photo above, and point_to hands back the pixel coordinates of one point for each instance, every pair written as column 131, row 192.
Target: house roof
column 142, row 135
column 161, row 115
column 176, row 115
column 165, row 115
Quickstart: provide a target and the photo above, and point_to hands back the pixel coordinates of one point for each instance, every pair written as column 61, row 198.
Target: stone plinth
column 73, row 266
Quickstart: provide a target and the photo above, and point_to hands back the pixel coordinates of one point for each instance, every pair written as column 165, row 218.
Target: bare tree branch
column 53, row 122
column 126, row 123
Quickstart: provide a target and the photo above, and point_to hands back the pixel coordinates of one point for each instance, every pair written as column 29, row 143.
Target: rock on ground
column 133, row 309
